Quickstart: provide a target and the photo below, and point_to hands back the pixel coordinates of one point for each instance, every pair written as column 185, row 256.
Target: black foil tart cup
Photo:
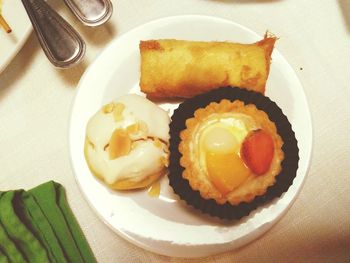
column 283, row 180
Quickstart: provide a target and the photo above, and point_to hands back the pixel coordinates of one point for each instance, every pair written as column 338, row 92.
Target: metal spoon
column 61, row 43
column 91, row 12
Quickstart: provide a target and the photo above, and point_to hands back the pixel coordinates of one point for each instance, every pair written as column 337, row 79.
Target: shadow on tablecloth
column 246, row 1
column 344, row 6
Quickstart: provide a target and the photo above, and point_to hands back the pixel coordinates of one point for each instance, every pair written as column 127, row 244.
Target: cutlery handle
column 91, row 12
column 61, row 43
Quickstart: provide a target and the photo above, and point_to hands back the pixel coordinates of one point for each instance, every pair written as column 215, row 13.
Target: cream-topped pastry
column 127, row 142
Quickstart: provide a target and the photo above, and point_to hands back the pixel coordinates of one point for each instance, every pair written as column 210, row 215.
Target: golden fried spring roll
column 177, row 68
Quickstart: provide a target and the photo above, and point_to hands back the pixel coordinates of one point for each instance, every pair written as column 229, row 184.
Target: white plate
column 14, row 13
column 165, row 225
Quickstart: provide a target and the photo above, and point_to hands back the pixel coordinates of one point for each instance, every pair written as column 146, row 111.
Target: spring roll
column 182, row 69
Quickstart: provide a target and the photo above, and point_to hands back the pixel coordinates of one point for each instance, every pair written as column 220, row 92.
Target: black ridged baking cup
column 283, row 180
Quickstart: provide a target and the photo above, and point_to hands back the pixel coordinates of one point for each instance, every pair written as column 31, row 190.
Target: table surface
column 36, row 98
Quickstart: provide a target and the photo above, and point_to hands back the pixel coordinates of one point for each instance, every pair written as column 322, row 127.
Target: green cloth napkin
column 38, row 226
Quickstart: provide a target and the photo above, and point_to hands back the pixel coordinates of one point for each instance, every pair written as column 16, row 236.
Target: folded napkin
column 39, row 226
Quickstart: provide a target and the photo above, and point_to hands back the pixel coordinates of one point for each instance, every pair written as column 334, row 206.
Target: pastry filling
column 220, row 139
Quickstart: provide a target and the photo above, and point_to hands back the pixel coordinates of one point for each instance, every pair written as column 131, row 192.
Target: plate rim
column 79, row 88
column 18, row 46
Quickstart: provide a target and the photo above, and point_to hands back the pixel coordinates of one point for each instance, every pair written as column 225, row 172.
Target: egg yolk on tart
column 219, row 147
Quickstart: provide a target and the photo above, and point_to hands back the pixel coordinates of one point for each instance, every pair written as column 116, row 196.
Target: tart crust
column 254, row 185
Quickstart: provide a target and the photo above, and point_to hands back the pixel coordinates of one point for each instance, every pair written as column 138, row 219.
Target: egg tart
column 231, row 150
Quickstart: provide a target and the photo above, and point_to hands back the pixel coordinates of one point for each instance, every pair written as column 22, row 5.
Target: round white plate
column 10, row 44
column 166, row 225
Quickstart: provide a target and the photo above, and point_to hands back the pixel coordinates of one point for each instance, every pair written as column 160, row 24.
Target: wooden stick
column 4, row 24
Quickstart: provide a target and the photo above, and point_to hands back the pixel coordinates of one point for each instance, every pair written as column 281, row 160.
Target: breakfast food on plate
column 127, row 143
column 178, row 68
column 228, row 150
column 231, row 152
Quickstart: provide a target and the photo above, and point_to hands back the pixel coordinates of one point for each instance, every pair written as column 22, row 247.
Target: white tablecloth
column 35, row 101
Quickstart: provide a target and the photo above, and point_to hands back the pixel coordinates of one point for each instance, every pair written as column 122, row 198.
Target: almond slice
column 108, row 108
column 133, row 128
column 118, row 111
column 157, row 143
column 119, row 144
